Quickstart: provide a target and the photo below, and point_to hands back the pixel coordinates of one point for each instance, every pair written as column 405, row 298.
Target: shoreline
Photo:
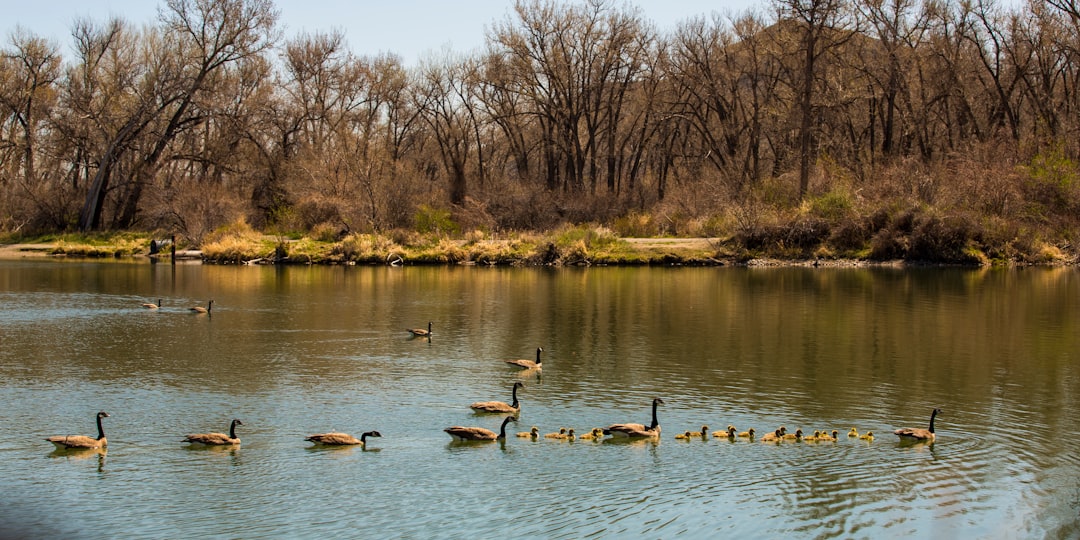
column 668, row 252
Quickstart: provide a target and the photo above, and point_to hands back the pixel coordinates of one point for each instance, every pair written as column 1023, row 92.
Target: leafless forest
column 902, row 125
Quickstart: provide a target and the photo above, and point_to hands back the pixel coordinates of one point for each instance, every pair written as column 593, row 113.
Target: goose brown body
column 460, row 433
column 82, row 441
column 637, row 431
column 528, row 364
column 341, row 439
column 500, row 407
column 420, row 332
column 918, row 434
column 152, row 306
column 200, row 309
column 216, row 439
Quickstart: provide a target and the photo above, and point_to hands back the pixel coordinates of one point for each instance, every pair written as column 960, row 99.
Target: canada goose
column 570, row 435
column 637, row 430
column 341, row 439
column 500, row 407
column 685, row 436
column 812, row 438
column 853, row 432
column 420, row 332
column 533, row 433
column 82, row 441
column 868, row 436
column 772, row 437
column 200, row 309
column 748, row 434
column 527, row 364
column 917, row 434
column 825, row 437
column 152, row 306
column 560, row 435
column 793, row 436
column 216, row 438
column 459, row 433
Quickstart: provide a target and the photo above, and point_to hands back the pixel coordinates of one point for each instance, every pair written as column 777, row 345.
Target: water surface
column 300, row 350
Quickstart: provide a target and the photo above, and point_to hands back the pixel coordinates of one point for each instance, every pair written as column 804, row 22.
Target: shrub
column 834, row 205
column 434, row 220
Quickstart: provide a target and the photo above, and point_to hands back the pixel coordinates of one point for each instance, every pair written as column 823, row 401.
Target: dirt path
column 24, row 251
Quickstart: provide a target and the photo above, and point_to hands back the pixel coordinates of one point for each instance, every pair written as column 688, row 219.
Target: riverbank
column 635, row 252
column 569, row 246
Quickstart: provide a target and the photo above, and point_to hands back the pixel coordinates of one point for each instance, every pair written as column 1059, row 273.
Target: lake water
column 299, row 350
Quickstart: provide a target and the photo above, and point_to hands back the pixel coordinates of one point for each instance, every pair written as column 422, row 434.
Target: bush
column 434, row 220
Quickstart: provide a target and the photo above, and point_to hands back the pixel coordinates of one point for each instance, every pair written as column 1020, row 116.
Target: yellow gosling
column 594, row 434
column 772, row 437
column 533, row 433
column 748, row 434
column 793, row 436
column 560, row 435
column 868, row 436
column 853, row 432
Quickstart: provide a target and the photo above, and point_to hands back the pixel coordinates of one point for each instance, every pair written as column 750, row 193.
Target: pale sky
column 409, row 28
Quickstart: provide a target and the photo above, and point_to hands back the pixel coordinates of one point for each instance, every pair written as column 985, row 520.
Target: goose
column 637, row 430
column 853, row 433
column 685, row 436
column 82, row 441
column 570, row 436
column 812, row 438
column 460, row 434
column 341, row 439
column 420, row 332
column 200, row 309
column 560, row 435
column 772, row 437
column 152, row 306
column 917, row 434
column 868, row 436
column 748, row 434
column 533, row 433
column 216, row 438
column 527, row 364
column 500, row 407
column 825, row 437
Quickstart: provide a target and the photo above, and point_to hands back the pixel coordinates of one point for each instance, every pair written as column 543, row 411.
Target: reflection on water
column 295, row 351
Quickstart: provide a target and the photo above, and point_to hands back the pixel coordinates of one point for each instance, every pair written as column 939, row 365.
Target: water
column 301, row 350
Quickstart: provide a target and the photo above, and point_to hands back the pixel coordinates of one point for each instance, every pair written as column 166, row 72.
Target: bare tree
column 823, row 25
column 197, row 39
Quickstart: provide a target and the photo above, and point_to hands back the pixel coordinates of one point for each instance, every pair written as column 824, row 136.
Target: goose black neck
column 655, row 422
column 100, row 431
column 363, row 439
column 232, row 429
column 502, row 430
column 514, row 393
column 932, row 416
column 538, row 351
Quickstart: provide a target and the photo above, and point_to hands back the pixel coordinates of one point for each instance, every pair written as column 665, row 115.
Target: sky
column 411, row 29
